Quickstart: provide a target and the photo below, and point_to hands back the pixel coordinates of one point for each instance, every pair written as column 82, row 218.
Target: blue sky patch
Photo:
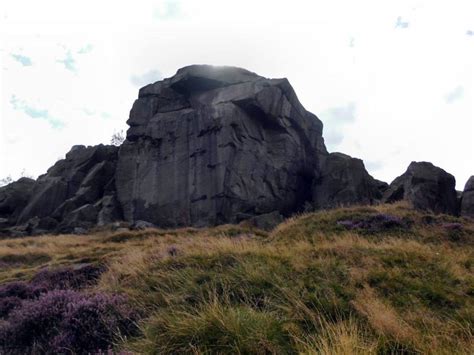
column 69, row 62
column 454, row 95
column 22, row 59
column 172, row 9
column 35, row 112
column 87, row 49
column 146, row 78
column 401, row 24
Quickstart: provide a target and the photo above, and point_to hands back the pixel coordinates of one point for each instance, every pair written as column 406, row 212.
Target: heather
column 66, row 321
column 361, row 280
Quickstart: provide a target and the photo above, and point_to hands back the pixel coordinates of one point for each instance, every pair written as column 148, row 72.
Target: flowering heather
column 67, row 278
column 11, row 294
column 18, row 289
column 7, row 304
column 66, row 321
column 452, row 226
column 374, row 223
column 49, row 314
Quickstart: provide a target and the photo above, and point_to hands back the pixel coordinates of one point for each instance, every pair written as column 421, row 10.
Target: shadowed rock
column 344, row 181
column 213, row 142
column 427, row 187
column 73, row 190
column 13, row 198
column 467, row 199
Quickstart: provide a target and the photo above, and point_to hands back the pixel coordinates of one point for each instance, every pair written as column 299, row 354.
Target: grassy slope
column 310, row 286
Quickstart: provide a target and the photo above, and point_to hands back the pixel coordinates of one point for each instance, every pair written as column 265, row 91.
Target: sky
column 392, row 81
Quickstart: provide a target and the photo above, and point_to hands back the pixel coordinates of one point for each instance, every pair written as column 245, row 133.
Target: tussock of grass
column 214, row 327
column 311, row 286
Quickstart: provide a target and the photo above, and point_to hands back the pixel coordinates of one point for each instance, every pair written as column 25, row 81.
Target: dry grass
column 308, row 287
column 383, row 318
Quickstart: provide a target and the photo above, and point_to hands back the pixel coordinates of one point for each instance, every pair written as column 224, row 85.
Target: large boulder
column 467, row 199
column 427, row 187
column 72, row 190
column 13, row 198
column 211, row 143
column 344, row 181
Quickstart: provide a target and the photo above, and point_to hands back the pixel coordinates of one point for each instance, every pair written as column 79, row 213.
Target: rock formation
column 427, row 187
column 211, row 145
column 467, row 199
column 344, row 181
column 215, row 145
column 13, row 199
column 78, row 191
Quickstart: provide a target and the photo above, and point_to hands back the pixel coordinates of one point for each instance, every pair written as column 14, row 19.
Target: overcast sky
column 392, row 81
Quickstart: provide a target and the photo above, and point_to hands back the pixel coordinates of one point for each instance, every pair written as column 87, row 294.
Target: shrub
column 11, row 294
column 7, row 304
column 90, row 323
column 18, row 289
column 67, row 278
column 66, row 322
column 452, row 226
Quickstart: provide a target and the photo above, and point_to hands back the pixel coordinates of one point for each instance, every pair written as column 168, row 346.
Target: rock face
column 212, row 143
column 344, row 181
column 77, row 191
column 13, row 199
column 427, row 187
column 207, row 146
column 467, row 199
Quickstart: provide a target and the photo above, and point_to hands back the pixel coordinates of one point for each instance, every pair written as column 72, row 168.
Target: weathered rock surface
column 467, row 199
column 427, row 187
column 207, row 146
column 213, row 142
column 13, row 199
column 344, row 181
column 76, row 190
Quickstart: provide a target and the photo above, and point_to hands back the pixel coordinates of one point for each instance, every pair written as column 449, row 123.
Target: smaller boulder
column 467, row 198
column 426, row 187
column 344, row 181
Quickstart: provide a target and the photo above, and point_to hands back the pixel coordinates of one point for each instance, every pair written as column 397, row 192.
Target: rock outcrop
column 13, row 199
column 212, row 143
column 467, row 199
column 78, row 191
column 344, row 181
column 427, row 187
column 207, row 146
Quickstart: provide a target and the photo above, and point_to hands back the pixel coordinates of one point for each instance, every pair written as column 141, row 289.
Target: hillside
column 360, row 280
